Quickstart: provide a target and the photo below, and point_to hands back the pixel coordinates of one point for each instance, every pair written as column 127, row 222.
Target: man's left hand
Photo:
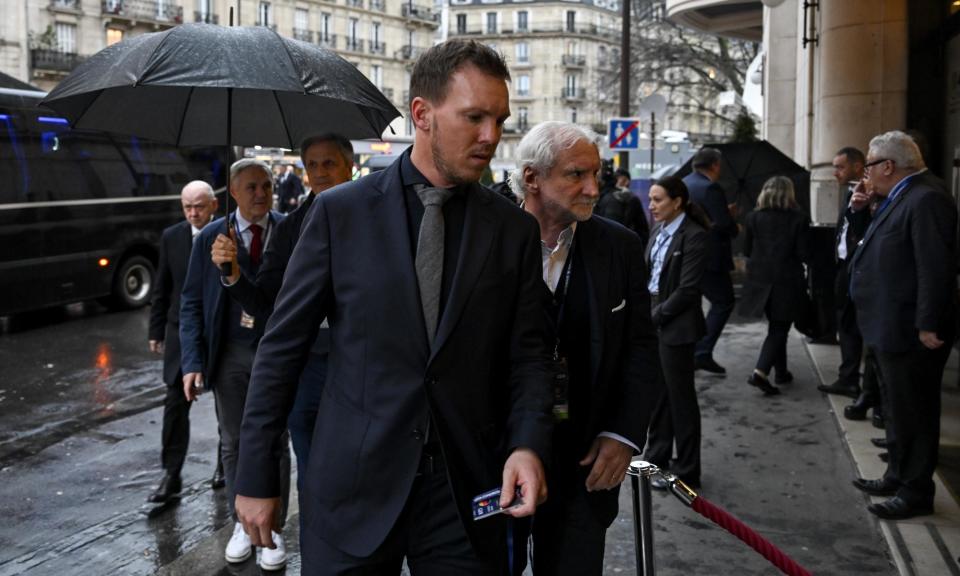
column 524, row 469
column 930, row 340
column 610, row 459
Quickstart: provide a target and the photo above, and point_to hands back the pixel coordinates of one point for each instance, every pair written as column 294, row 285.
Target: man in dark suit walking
column 437, row 389
column 596, row 301
column 716, row 284
column 199, row 204
column 904, row 285
column 328, row 160
column 219, row 337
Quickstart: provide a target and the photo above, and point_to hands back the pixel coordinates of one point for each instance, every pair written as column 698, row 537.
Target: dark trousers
column 911, row 381
column 175, row 436
column 848, row 332
column 428, row 534
column 717, row 288
column 773, row 353
column 303, row 415
column 230, row 390
column 676, row 416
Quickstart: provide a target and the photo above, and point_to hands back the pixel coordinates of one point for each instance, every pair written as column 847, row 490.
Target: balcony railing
column 377, row 48
column 355, row 3
column 328, row 41
column 422, row 13
column 388, row 92
column 272, row 26
column 522, row 95
column 408, row 52
column 64, row 4
column 303, row 35
column 207, row 18
column 52, row 60
column 569, row 93
column 353, row 45
column 574, row 60
column 609, row 33
column 379, row 5
column 145, row 10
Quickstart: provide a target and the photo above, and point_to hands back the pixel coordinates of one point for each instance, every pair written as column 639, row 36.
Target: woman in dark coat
column 676, row 259
column 776, row 245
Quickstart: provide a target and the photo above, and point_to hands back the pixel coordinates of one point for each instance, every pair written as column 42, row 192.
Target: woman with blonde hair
column 776, row 245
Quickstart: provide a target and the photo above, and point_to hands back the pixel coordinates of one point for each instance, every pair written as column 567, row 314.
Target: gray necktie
column 429, row 261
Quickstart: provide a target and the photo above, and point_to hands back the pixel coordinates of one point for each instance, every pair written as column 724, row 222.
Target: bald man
column 199, row 205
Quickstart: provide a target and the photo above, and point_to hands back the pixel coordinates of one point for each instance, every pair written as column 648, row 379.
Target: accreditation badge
column 561, row 385
column 246, row 320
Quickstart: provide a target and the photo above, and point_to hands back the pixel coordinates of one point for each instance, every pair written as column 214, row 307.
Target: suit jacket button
column 417, row 434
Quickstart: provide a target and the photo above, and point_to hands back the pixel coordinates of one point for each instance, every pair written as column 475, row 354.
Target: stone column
column 780, row 46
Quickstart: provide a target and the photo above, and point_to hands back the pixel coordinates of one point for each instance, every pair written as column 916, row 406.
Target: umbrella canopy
column 747, row 165
column 208, row 85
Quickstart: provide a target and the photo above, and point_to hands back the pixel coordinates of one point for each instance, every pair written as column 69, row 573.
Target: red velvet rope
column 723, row 519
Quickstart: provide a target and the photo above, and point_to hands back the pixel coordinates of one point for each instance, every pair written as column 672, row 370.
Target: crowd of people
column 421, row 339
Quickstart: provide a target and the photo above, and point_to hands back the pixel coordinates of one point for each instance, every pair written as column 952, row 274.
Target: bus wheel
column 133, row 283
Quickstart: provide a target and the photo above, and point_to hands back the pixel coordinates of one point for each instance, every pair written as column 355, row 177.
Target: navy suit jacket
column 484, row 385
column 904, row 273
column 175, row 245
column 711, row 197
column 202, row 305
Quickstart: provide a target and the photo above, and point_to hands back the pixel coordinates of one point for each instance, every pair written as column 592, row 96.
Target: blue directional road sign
column 624, row 133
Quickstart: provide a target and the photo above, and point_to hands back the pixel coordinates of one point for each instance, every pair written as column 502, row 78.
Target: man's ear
column 421, row 112
column 530, row 183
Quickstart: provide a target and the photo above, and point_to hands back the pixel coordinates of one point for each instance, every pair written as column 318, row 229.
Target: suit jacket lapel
column 479, row 231
column 650, row 242
column 879, row 220
column 596, row 262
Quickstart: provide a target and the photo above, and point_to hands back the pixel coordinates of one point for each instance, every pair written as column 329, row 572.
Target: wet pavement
column 79, row 451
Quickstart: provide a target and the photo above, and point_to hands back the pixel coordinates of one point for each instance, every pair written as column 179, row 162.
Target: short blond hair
column 777, row 194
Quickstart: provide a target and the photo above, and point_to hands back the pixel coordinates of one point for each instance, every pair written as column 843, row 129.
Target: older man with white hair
column 904, row 285
column 219, row 338
column 595, row 299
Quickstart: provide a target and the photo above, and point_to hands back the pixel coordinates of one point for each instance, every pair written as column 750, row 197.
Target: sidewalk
column 927, row 545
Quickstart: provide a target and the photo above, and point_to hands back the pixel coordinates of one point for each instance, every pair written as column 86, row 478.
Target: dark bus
column 81, row 212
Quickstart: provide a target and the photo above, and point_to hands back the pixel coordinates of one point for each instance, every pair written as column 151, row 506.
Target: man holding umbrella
column 218, row 337
column 438, row 388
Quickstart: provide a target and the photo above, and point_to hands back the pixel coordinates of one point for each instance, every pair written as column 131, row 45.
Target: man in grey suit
column 199, row 204
column 904, row 285
column 716, row 284
column 437, row 387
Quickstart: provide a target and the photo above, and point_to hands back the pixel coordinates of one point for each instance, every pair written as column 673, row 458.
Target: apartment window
column 204, row 10
column 66, row 38
column 523, row 118
column 376, row 75
column 523, row 85
column 491, row 22
column 300, row 19
column 571, row 20
column 325, row 26
column 523, row 21
column 114, row 36
column 523, row 52
column 573, row 115
column 461, row 23
column 375, row 36
column 354, row 29
column 264, row 17
column 602, row 55
column 571, row 84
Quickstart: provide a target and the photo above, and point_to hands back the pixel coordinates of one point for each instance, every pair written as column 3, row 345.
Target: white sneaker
column 274, row 559
column 239, row 547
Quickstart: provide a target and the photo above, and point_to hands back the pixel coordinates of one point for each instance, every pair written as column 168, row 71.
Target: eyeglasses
column 875, row 162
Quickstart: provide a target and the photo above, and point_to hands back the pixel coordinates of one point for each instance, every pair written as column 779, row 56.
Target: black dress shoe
column 708, row 364
column 858, row 410
column 763, row 384
column 879, row 442
column 876, row 487
column 884, row 456
column 169, row 488
column 840, row 388
column 218, row 481
column 879, row 421
column 784, row 377
column 897, row 508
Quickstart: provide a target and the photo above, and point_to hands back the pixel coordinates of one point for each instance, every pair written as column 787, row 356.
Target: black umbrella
column 208, row 85
column 747, row 165
column 195, row 84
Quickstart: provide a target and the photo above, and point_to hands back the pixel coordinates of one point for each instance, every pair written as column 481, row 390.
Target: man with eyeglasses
column 903, row 283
